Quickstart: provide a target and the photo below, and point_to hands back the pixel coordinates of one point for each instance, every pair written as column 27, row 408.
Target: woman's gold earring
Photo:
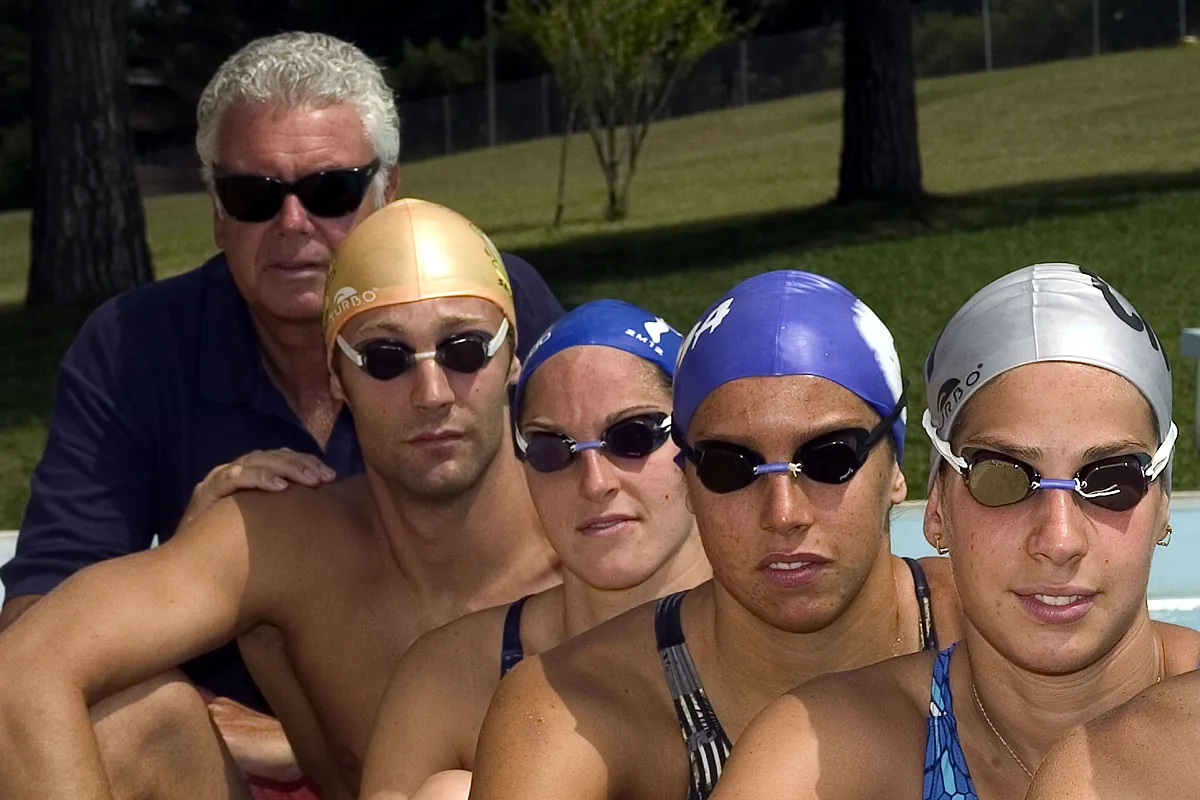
column 937, row 545
column 1166, row 539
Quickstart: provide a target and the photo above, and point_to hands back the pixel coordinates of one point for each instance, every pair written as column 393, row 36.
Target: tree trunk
column 881, row 158
column 568, row 131
column 89, row 228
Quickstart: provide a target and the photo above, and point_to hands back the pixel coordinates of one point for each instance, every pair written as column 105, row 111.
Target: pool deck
column 1174, row 574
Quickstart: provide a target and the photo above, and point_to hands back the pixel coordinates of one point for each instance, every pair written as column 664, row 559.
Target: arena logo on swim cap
column 879, row 339
column 655, row 328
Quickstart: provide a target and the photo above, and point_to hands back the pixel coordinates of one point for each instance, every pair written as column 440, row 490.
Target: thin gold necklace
column 988, row 720
column 1162, row 669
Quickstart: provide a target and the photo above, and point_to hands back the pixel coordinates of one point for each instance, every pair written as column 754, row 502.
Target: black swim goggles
column 1117, row 483
column 632, row 437
column 330, row 194
column 834, row 457
column 384, row 359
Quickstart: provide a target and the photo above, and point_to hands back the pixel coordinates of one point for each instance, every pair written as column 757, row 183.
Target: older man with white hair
column 167, row 388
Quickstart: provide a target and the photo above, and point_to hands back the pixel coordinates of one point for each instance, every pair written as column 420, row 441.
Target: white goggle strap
column 352, row 354
column 943, row 447
column 1162, row 456
column 498, row 339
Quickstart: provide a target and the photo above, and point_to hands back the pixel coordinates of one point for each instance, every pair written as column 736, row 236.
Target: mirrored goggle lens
column 1117, row 484
column 996, row 482
column 548, row 452
column 723, row 470
column 833, row 460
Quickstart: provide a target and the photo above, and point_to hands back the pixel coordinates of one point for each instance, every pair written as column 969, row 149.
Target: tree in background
column 89, row 229
column 881, row 158
column 617, row 61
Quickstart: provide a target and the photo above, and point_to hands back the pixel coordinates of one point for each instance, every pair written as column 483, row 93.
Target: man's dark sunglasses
column 633, row 437
column 384, row 359
column 834, row 457
column 330, row 194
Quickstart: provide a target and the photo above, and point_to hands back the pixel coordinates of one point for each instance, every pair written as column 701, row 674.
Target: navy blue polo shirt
column 162, row 384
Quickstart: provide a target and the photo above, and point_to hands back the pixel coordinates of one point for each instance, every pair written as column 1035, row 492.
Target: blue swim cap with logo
column 789, row 323
column 606, row 323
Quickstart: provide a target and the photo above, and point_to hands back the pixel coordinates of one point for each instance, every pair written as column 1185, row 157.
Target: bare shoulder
column 462, row 654
column 891, row 695
column 1181, row 646
column 302, row 535
column 1144, row 748
column 616, row 663
column 830, row 727
column 570, row 721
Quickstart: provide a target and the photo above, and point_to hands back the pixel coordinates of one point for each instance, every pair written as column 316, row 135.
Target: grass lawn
column 1095, row 161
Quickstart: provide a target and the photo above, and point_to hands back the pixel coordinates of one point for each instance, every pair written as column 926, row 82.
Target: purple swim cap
column 789, row 323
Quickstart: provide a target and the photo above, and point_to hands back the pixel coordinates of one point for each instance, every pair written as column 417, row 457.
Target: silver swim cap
column 1046, row 312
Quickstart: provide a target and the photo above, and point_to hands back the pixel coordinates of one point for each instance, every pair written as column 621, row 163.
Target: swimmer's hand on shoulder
column 256, row 741
column 265, row 470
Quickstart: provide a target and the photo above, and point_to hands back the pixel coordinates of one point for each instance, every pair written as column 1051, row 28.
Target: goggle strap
column 1162, row 456
column 498, row 339
column 350, row 353
column 943, row 447
column 578, row 447
column 522, row 442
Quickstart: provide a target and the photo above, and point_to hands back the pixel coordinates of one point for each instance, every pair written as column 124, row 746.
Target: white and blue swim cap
column 1045, row 312
column 606, row 323
column 789, row 323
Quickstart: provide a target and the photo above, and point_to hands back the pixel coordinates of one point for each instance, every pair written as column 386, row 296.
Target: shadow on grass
column 720, row 243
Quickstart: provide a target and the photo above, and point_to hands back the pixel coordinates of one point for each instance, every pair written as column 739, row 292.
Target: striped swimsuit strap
column 708, row 746
column 929, row 639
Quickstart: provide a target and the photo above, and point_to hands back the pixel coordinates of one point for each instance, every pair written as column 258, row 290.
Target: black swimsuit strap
column 511, row 650
column 708, row 746
column 924, row 605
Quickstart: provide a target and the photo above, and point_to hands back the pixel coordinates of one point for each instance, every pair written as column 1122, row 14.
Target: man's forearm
column 14, row 607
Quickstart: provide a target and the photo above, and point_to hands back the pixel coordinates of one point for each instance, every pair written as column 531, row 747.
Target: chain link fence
column 949, row 37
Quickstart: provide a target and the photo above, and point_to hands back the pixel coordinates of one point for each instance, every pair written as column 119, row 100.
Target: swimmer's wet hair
column 299, row 70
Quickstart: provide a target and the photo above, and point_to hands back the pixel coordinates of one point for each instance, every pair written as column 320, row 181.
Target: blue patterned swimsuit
column 946, row 774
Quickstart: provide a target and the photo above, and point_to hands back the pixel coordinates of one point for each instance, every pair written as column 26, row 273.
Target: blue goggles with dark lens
column 633, row 437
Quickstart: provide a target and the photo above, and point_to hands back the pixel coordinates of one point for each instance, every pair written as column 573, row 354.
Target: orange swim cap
column 412, row 250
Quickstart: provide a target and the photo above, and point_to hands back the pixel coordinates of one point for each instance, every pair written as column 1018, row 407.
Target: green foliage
column 437, row 68
column 617, row 61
